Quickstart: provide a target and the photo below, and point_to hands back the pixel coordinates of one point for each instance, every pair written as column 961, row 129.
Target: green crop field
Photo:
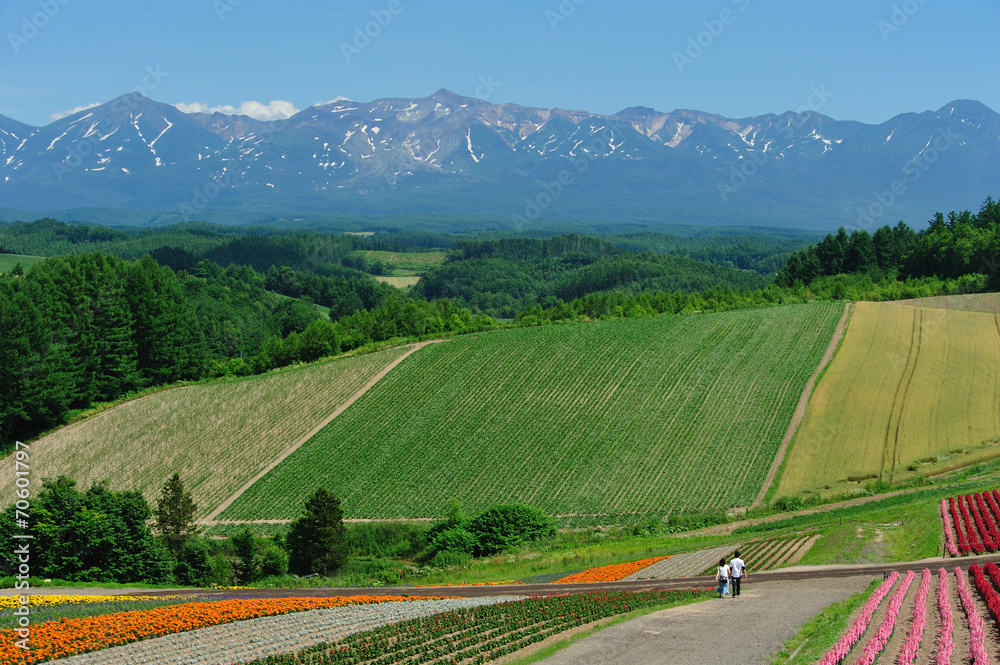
column 218, row 436
column 911, row 390
column 8, row 261
column 670, row 413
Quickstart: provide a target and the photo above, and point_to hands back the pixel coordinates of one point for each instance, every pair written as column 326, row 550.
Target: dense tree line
column 502, row 277
column 952, row 246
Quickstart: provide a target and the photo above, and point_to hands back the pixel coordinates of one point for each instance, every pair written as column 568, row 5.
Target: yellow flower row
column 8, row 602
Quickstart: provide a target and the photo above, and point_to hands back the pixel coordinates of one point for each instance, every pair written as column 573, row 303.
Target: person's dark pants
column 735, row 583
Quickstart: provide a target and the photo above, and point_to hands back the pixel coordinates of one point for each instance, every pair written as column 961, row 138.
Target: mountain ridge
column 451, row 154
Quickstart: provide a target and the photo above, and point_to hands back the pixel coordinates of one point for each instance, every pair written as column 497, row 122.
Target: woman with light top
column 723, row 577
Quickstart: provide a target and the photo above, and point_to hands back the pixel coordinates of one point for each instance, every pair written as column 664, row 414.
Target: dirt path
column 800, row 410
column 326, row 421
column 748, row 629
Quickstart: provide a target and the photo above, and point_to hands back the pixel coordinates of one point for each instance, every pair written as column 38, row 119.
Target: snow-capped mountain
column 459, row 155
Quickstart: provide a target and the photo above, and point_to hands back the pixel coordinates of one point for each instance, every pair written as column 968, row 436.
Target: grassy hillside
column 910, row 390
column 8, row 261
column 217, row 436
column 671, row 413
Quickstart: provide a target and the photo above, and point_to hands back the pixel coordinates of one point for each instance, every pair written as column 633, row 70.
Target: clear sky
column 872, row 59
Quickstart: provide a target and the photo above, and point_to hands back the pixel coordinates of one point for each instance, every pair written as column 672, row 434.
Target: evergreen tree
column 317, row 540
column 175, row 511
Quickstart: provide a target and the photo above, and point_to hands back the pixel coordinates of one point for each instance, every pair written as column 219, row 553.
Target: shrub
column 509, row 525
column 399, row 539
column 274, row 562
column 455, row 539
column 193, row 565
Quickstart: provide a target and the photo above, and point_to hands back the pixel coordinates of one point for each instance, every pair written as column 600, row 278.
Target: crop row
column 612, row 417
column 480, row 634
column 969, row 523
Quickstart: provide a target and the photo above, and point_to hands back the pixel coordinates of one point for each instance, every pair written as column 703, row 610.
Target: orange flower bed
column 66, row 637
column 612, row 573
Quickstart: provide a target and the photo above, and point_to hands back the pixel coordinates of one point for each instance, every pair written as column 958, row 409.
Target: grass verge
column 822, row 631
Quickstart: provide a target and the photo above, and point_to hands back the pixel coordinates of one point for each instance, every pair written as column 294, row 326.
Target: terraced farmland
column 217, row 436
column 910, row 390
column 671, row 413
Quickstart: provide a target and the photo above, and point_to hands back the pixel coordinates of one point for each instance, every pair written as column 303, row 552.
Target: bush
column 274, row 562
column 788, row 503
column 455, row 539
column 509, row 525
column 399, row 539
column 193, row 565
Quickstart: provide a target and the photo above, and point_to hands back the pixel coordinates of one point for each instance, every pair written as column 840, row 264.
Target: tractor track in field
column 800, row 410
column 326, row 421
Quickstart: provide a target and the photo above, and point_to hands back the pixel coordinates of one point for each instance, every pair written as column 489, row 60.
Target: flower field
column 612, row 573
column 611, row 417
column 970, row 523
column 65, row 637
column 901, row 635
column 481, row 634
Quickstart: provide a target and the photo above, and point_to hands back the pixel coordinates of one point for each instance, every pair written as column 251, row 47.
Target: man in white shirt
column 737, row 571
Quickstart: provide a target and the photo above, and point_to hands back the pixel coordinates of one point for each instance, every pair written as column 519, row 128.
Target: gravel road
column 256, row 638
column 747, row 630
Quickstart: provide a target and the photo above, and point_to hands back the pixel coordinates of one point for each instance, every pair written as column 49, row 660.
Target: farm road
column 748, row 629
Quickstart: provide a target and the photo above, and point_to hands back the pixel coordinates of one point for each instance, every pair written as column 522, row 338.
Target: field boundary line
column 800, row 410
column 326, row 421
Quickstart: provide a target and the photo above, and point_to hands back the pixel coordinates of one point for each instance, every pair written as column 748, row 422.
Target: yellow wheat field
column 217, row 436
column 910, row 390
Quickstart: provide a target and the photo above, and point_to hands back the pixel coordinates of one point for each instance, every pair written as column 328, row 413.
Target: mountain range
column 461, row 156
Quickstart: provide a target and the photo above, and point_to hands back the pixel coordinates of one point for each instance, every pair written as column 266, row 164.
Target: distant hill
column 138, row 160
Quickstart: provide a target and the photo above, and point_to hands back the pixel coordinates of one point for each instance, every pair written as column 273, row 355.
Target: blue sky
column 871, row 58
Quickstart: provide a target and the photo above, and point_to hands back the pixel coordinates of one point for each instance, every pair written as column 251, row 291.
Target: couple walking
column 735, row 571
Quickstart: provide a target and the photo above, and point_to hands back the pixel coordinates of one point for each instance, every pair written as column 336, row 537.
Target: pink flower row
column 911, row 645
column 946, row 640
column 977, row 649
column 878, row 641
column 949, row 532
column 854, row 633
